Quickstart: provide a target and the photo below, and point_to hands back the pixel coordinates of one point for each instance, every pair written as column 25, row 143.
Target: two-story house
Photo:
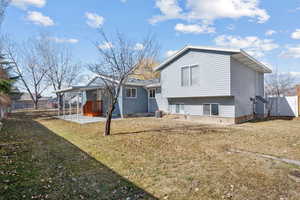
column 222, row 85
column 203, row 83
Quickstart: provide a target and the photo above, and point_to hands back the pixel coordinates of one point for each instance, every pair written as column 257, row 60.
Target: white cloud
column 123, row 1
column 94, row 20
column 296, row 34
column 25, row 3
column 139, row 46
column 171, row 52
column 253, row 45
column 270, row 32
column 64, row 40
column 194, row 28
column 296, row 74
column 291, row 52
column 169, row 9
column 105, row 45
column 209, row 10
column 39, row 19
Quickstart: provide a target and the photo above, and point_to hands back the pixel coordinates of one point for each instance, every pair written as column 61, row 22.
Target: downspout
column 121, row 103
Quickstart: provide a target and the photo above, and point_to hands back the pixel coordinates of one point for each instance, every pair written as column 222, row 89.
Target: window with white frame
column 131, row 92
column 215, row 109
column 190, row 75
column 179, row 109
column 211, row 109
column 152, row 93
column 195, row 75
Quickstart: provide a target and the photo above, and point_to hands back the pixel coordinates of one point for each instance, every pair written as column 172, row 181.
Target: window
column 215, row 109
column 211, row 109
column 190, row 75
column 195, row 72
column 131, row 92
column 179, row 108
column 152, row 93
column 170, row 108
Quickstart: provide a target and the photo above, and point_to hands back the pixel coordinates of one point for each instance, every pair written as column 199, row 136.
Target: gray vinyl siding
column 162, row 101
column 92, row 96
column 194, row 106
column 214, row 75
column 135, row 105
column 152, row 105
column 245, row 84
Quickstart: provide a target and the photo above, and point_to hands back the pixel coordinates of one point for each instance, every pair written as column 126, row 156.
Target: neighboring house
column 210, row 84
column 23, row 101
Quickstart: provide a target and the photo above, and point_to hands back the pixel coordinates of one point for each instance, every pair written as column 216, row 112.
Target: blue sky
column 267, row 29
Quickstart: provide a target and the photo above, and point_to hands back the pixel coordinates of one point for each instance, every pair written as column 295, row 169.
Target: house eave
column 78, row 89
column 186, row 48
column 235, row 52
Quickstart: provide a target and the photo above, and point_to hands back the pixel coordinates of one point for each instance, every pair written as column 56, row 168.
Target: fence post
column 298, row 95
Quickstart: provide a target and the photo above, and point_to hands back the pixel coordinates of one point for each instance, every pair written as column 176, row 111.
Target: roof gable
column 239, row 55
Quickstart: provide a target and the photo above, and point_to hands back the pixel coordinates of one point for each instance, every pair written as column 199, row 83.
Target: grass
column 146, row 158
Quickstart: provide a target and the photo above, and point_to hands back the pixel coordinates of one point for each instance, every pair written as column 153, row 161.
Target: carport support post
column 298, row 94
column 58, row 107
column 70, row 108
column 63, row 100
column 82, row 103
column 77, row 106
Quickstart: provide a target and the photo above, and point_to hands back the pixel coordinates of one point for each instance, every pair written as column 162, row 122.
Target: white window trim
column 180, row 106
column 131, row 88
column 210, row 114
column 190, row 74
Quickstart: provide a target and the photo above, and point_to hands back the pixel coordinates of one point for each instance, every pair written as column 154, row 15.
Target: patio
column 80, row 119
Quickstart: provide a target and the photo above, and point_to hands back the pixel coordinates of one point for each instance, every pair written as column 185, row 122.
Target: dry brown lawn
column 171, row 159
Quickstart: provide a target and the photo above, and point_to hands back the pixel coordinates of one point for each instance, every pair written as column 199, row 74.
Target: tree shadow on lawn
column 186, row 129
column 39, row 164
column 35, row 114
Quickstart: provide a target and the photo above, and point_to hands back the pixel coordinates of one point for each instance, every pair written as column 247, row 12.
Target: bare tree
column 62, row 71
column 278, row 84
column 118, row 59
column 27, row 65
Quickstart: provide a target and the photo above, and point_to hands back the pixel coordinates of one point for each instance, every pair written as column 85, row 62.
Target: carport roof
column 77, row 89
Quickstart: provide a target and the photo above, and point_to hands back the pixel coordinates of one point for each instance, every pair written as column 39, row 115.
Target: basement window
column 215, row 109
column 211, row 109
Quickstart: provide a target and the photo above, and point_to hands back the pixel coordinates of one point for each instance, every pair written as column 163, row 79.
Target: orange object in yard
column 93, row 108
